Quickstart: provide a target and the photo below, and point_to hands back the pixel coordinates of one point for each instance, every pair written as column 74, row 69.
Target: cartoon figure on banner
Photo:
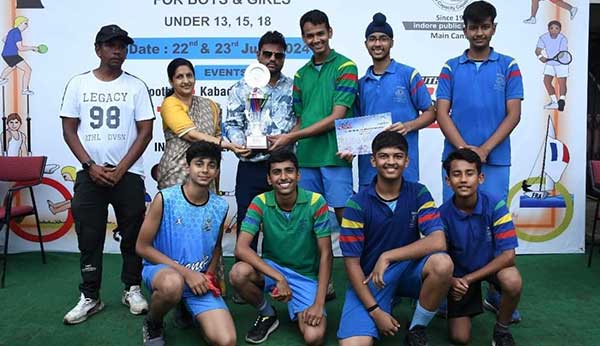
column 68, row 173
column 535, row 5
column 545, row 190
column 557, row 59
column 13, row 44
column 13, row 139
column 52, row 229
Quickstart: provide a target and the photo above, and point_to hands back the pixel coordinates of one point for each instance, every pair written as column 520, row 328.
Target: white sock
column 553, row 98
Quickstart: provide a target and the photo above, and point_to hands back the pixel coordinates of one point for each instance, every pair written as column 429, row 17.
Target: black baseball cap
column 112, row 31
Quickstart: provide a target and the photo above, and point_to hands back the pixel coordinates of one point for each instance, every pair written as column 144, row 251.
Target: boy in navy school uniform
column 483, row 90
column 481, row 242
column 385, row 255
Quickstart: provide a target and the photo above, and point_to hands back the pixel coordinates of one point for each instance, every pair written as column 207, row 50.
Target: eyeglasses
column 268, row 54
column 382, row 38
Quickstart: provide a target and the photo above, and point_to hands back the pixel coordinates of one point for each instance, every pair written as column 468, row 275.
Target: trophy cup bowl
column 256, row 76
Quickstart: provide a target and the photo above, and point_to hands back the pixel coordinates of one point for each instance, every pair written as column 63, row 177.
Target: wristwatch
column 86, row 165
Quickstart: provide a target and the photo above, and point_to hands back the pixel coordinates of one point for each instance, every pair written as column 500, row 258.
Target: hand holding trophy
column 256, row 76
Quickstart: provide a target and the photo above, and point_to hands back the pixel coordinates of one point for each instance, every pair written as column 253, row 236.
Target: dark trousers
column 90, row 211
column 250, row 181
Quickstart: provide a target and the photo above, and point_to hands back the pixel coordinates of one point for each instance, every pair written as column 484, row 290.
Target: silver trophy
column 256, row 76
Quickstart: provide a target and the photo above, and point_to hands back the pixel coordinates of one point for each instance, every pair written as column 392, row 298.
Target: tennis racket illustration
column 564, row 57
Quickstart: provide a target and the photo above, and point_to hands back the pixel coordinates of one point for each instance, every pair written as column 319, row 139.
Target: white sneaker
column 551, row 105
column 85, row 308
column 27, row 92
column 530, row 20
column 573, row 12
column 135, row 300
column 3, row 81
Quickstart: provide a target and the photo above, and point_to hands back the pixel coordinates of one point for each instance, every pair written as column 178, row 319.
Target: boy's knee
column 511, row 283
column 240, row 273
column 225, row 339
column 459, row 340
column 441, row 265
column 314, row 336
column 170, row 287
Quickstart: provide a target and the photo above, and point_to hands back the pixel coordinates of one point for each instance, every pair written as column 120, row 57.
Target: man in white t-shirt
column 107, row 118
column 551, row 43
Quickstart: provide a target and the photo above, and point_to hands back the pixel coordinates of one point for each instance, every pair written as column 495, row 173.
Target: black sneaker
column 262, row 328
column 182, row 318
column 561, row 105
column 416, row 337
column 503, row 339
column 153, row 333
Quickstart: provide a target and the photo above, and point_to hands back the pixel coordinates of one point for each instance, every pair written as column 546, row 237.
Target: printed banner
column 547, row 195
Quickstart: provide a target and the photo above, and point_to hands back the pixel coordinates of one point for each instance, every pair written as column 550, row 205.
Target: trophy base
column 256, row 142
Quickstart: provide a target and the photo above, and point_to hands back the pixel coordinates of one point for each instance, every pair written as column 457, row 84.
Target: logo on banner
column 443, row 25
column 452, row 5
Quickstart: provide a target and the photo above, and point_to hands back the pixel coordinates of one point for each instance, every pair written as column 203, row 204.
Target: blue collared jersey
column 478, row 97
column 401, row 91
column 476, row 239
column 370, row 227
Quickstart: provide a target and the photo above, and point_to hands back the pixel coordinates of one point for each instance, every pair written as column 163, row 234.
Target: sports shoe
column 573, row 12
column 530, row 20
column 503, row 339
column 153, row 333
column 85, row 308
column 262, row 328
column 330, row 292
column 135, row 300
column 416, row 337
column 551, row 105
column 27, row 92
column 492, row 303
column 3, row 81
column 561, row 105
column 182, row 318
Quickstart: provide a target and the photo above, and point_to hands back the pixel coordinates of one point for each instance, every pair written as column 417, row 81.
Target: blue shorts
column 304, row 289
column 496, row 180
column 334, row 183
column 403, row 279
column 195, row 304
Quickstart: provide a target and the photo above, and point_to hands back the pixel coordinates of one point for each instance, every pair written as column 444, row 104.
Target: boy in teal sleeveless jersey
column 180, row 242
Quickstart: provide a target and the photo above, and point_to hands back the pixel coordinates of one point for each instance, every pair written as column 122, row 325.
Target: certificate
column 356, row 134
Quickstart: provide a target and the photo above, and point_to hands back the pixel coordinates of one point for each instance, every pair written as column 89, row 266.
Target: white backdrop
column 219, row 37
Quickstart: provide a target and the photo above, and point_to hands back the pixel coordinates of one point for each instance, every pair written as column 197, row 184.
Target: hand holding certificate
column 356, row 134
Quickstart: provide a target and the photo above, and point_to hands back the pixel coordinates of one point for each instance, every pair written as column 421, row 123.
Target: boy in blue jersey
column 180, row 241
column 391, row 87
column 384, row 253
column 481, row 241
column 483, row 90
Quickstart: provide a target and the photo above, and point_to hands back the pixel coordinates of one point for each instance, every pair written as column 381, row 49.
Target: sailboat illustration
column 553, row 158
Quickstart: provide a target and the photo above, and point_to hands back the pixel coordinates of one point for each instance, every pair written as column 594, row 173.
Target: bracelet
column 540, row 56
column 373, row 308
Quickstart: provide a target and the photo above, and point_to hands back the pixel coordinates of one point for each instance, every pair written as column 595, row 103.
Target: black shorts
column 471, row 304
column 12, row 60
